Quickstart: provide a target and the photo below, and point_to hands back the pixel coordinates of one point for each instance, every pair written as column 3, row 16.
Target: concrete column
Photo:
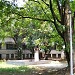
column 51, row 55
column 29, row 55
column 25, row 55
column 14, row 55
column 56, row 55
column 36, row 56
column 62, row 55
column 9, row 56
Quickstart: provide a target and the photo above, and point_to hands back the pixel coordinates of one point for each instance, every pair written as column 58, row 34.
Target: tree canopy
column 35, row 20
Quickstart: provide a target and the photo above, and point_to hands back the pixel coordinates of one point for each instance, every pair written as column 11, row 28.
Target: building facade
column 8, row 50
column 57, row 54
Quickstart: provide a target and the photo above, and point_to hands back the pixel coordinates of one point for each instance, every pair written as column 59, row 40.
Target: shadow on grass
column 31, row 71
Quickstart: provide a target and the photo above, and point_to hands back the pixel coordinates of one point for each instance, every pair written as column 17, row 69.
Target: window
column 54, row 55
column 27, row 55
column 59, row 55
column 12, row 56
column 11, row 46
column 7, row 56
column 23, row 56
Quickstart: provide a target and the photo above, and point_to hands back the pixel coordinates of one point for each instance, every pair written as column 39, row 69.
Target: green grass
column 8, row 69
column 15, row 71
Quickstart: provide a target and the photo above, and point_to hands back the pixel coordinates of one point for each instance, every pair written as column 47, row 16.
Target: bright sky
column 20, row 3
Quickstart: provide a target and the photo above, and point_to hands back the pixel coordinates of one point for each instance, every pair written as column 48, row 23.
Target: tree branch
column 56, row 25
column 63, row 13
column 52, row 11
column 45, row 3
column 59, row 8
column 43, row 10
column 35, row 18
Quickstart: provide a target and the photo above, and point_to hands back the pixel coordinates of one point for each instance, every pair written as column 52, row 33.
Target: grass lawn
column 7, row 69
column 14, row 71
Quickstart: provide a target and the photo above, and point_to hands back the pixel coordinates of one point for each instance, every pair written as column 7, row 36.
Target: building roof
column 27, row 52
column 55, row 52
column 8, row 40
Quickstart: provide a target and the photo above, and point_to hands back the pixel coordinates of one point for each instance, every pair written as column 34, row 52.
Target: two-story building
column 8, row 50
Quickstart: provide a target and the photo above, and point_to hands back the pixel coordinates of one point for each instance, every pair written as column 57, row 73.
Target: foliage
column 20, row 28
column 36, row 19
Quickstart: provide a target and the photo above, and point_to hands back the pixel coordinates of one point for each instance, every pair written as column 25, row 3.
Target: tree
column 45, row 11
column 55, row 11
column 11, row 25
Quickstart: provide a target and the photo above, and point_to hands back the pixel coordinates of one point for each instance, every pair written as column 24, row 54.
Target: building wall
column 54, row 54
column 12, row 54
column 8, row 50
column 4, row 53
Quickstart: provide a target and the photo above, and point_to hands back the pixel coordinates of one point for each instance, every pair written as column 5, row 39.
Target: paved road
column 41, row 63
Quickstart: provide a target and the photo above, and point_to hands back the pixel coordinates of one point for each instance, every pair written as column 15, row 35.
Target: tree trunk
column 46, row 56
column 67, row 30
column 67, row 53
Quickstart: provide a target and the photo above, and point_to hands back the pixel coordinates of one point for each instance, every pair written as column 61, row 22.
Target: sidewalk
column 41, row 63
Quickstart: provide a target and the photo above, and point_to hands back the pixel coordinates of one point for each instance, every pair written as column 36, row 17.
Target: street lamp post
column 71, row 49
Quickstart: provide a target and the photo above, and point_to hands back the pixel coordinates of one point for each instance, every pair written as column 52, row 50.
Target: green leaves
column 25, row 22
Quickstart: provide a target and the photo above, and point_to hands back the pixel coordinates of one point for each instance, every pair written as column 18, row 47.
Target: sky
column 20, row 3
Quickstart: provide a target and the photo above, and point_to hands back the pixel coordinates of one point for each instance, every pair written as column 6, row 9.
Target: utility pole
column 71, row 49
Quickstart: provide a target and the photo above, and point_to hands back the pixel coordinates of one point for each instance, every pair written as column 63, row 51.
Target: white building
column 57, row 54
column 8, row 50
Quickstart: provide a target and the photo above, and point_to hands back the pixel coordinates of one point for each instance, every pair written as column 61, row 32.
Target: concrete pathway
column 52, row 64
column 41, row 63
